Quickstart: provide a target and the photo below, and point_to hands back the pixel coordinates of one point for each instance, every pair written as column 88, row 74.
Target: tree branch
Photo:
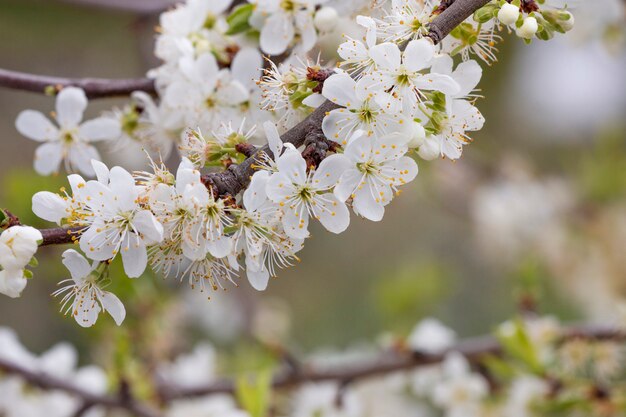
column 94, row 87
column 51, row 383
column 453, row 16
column 133, row 6
column 473, row 349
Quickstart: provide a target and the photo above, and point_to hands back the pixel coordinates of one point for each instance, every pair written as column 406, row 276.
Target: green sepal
column 486, row 13
column 238, row 20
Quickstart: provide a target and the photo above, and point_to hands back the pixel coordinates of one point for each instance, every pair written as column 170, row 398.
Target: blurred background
column 535, row 211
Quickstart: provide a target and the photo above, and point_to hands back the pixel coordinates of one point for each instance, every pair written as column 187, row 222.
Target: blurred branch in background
column 123, row 401
column 134, row 6
column 474, row 349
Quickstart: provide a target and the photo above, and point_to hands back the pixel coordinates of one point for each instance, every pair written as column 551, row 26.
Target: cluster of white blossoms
column 397, row 96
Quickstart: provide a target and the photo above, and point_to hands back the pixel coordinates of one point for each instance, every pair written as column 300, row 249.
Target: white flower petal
column 34, row 125
column 134, row 256
column 70, row 104
column 80, row 156
column 279, row 187
column 386, row 56
column 348, row 182
column 293, row 166
column 49, row 206
column 339, row 88
column 102, row 128
column 77, row 265
column 48, row 157
column 246, row 66
column 418, row 54
column 277, row 34
column 113, row 306
column 332, row 213
column 258, row 279
column 255, row 195
column 146, row 224
column 273, row 139
column 296, row 222
column 330, row 169
column 366, row 204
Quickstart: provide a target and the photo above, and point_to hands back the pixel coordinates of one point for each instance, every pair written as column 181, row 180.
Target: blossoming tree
column 269, row 139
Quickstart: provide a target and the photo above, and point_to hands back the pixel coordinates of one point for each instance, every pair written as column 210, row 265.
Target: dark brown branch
column 473, row 349
column 451, row 17
column 59, row 235
column 94, row 87
column 52, row 383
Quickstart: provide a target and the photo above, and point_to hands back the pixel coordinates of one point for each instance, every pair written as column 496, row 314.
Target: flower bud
column 430, row 149
column 417, row 135
column 508, row 14
column 528, row 28
column 566, row 21
column 326, row 19
column 12, row 282
column 18, row 245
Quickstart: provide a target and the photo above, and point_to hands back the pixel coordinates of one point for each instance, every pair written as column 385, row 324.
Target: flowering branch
column 439, row 28
column 233, row 180
column 237, row 176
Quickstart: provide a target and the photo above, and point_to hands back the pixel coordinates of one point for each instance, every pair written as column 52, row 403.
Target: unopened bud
column 508, row 14
column 566, row 21
column 418, row 135
column 326, row 19
column 430, row 149
column 528, row 28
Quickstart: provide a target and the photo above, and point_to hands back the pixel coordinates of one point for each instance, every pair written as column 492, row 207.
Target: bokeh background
column 535, row 210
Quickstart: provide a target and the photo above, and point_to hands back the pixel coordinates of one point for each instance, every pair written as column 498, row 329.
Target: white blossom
column 117, row 222
column 83, row 295
column 69, row 142
column 301, row 195
column 378, row 167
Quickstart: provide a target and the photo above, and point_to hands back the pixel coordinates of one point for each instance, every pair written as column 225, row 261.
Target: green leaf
column 238, row 19
column 499, row 367
column 519, row 346
column 254, row 392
